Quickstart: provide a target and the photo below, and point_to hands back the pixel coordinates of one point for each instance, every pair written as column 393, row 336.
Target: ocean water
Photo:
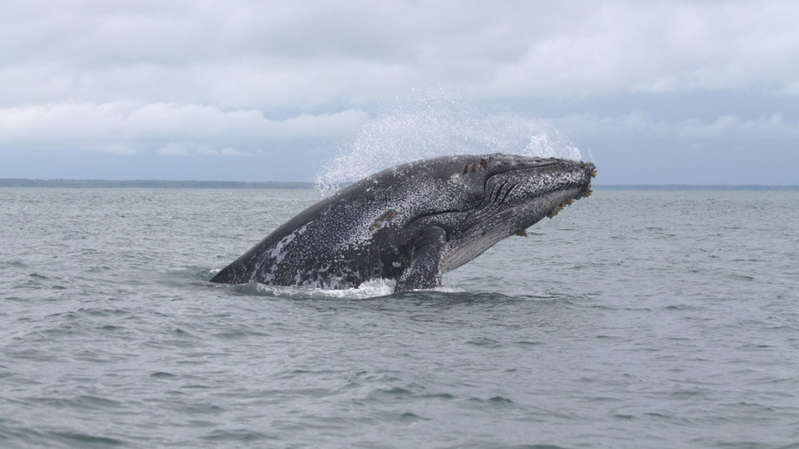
column 657, row 319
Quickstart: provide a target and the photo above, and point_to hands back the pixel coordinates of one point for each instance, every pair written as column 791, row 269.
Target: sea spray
column 433, row 127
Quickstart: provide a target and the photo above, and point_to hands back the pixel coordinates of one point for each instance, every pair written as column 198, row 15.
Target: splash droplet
column 433, row 127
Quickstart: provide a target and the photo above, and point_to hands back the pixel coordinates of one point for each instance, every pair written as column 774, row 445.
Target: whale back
column 360, row 233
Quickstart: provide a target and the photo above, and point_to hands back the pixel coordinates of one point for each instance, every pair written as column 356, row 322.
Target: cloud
column 171, row 129
column 727, row 149
column 175, row 149
column 189, row 148
column 724, row 129
column 265, row 55
column 227, row 151
column 212, row 79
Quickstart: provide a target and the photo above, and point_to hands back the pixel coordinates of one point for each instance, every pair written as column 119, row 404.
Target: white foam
column 369, row 289
column 441, row 289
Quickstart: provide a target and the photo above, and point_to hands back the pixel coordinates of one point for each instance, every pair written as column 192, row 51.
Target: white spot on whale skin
column 396, row 264
column 278, row 252
column 276, row 255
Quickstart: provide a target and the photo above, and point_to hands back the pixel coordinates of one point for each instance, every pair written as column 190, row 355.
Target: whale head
column 506, row 195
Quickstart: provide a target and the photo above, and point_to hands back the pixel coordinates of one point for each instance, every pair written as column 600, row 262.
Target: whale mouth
column 585, row 193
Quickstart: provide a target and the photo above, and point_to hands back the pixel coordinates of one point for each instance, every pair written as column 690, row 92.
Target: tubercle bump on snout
column 560, row 207
column 584, row 194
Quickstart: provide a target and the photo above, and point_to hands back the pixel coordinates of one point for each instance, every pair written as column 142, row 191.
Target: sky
column 655, row 92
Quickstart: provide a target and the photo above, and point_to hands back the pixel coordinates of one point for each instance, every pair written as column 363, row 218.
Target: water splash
column 439, row 127
column 369, row 289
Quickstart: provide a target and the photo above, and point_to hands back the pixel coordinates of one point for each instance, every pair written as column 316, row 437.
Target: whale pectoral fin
column 423, row 270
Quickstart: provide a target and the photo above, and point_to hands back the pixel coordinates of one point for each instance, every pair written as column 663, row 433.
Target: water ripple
column 638, row 319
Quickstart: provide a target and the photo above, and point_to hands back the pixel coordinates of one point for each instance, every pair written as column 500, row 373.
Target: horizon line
column 196, row 183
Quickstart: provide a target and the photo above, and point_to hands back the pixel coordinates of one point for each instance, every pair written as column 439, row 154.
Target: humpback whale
column 413, row 222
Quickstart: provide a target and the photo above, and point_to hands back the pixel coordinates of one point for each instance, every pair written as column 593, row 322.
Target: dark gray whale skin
column 412, row 222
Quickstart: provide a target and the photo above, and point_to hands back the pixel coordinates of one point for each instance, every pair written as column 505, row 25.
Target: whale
column 413, row 222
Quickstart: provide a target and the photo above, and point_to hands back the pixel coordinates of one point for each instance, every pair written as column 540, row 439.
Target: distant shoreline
column 162, row 184
column 693, row 187
column 151, row 184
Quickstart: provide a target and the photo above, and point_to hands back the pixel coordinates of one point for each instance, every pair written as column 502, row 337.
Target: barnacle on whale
column 555, row 210
column 559, row 208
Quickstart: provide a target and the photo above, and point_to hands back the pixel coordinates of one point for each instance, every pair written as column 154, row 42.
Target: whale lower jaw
column 485, row 235
column 568, row 202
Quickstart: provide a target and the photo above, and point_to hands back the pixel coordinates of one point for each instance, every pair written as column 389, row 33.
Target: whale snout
column 590, row 168
column 579, row 175
column 590, row 172
column 586, row 169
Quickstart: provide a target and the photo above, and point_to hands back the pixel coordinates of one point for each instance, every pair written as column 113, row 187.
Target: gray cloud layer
column 636, row 83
